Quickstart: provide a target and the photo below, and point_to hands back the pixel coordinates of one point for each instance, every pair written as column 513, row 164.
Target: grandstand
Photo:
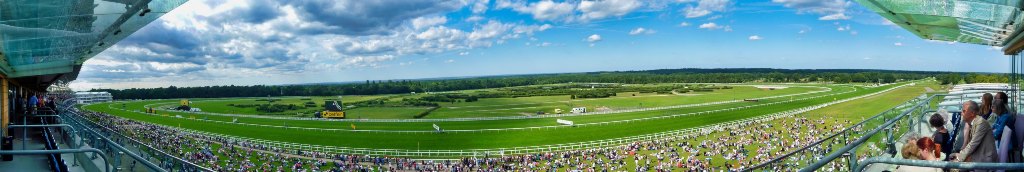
column 877, row 148
column 788, row 132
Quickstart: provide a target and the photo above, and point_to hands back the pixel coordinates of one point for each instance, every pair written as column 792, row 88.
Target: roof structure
column 984, row 22
column 48, row 40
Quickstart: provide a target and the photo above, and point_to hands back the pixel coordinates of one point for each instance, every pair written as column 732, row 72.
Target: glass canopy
column 985, row 22
column 45, row 37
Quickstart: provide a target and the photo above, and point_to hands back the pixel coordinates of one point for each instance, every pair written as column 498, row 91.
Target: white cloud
column 755, row 38
column 207, row 40
column 543, row 10
column 424, row 22
column 545, row 44
column 490, row 30
column 449, row 61
column 480, row 6
column 366, row 60
column 829, row 9
column 705, row 7
column 684, row 24
column 572, row 11
column 594, row 38
column 843, row 28
column 898, row 44
column 474, row 18
column 592, row 10
column 463, row 53
column 641, row 30
column 710, row 26
column 836, row 16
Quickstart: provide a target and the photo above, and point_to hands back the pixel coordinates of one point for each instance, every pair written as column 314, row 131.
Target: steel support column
column 5, row 112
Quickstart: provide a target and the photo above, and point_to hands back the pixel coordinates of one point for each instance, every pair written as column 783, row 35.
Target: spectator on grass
column 979, row 145
column 941, row 135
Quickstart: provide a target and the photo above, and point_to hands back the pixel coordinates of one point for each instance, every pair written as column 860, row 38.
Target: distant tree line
column 970, row 78
column 371, row 87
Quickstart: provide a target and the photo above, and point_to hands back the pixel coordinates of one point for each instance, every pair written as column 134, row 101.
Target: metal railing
column 103, row 156
column 78, row 133
column 25, row 135
column 104, row 134
column 849, row 151
column 850, row 131
column 939, row 164
column 914, row 119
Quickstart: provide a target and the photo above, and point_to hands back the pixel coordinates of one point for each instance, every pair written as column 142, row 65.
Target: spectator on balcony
column 1001, row 130
column 1003, row 116
column 979, row 145
column 941, row 135
column 929, row 149
column 32, row 102
column 913, row 152
column 910, row 150
column 986, row 106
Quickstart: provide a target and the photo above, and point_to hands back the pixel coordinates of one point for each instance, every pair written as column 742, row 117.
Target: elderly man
column 979, row 145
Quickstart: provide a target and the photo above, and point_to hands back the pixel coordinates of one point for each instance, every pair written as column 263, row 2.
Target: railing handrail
column 857, row 143
column 117, row 146
column 940, row 164
column 59, row 151
column 134, row 156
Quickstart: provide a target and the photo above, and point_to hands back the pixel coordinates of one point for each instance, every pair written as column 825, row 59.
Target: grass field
column 474, row 140
column 222, row 105
column 627, row 100
column 488, row 107
column 384, row 112
column 832, row 116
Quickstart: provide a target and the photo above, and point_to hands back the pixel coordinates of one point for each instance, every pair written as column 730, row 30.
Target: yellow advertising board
column 329, row 114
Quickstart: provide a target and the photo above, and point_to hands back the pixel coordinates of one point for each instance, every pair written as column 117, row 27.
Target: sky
column 271, row 42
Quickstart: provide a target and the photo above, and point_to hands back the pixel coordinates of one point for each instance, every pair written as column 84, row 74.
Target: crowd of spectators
column 731, row 148
column 980, row 133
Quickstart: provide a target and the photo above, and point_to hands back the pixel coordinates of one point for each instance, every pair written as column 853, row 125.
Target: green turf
column 384, row 112
column 222, row 105
column 547, row 104
column 479, row 124
column 491, row 107
column 490, row 139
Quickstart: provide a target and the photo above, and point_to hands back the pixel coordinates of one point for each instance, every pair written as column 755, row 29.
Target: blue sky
column 243, row 42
